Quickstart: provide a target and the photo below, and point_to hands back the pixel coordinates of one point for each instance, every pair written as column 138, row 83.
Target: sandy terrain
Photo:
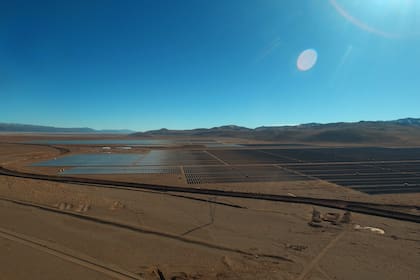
column 54, row 230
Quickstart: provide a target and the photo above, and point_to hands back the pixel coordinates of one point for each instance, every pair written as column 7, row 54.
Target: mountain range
column 399, row 131
column 13, row 127
column 402, row 131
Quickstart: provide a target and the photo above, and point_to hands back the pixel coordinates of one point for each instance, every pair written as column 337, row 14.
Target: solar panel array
column 103, row 159
column 154, row 157
column 123, row 170
column 371, row 178
column 247, row 156
column 180, row 157
column 231, row 174
column 346, row 154
column 370, row 170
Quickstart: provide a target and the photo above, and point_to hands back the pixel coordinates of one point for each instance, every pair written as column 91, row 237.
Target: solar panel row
column 370, row 170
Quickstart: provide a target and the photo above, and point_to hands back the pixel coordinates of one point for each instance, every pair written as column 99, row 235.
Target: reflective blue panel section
column 154, row 157
column 122, row 170
column 165, row 157
column 93, row 160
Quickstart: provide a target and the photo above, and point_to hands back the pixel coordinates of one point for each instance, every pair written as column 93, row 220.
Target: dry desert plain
column 53, row 228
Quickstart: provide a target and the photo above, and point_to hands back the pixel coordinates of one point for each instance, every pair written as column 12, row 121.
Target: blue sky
column 200, row 63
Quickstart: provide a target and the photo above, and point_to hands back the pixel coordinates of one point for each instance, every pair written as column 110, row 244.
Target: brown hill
column 403, row 131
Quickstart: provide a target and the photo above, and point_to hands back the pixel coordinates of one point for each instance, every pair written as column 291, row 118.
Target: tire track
column 68, row 255
column 318, row 258
column 141, row 230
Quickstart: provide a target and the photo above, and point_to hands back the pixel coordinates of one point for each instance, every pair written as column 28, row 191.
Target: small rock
column 332, row 218
column 180, row 276
column 346, row 219
column 117, row 205
column 316, row 216
column 296, row 247
column 371, row 229
column 315, row 224
column 82, row 207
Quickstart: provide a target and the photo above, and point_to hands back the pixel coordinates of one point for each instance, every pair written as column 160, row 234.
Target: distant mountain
column 402, row 131
column 395, row 131
column 12, row 127
column 221, row 131
column 407, row 121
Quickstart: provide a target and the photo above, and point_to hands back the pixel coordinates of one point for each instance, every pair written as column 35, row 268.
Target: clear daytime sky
column 178, row 64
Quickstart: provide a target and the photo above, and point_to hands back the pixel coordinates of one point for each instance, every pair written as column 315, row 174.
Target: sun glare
column 391, row 19
column 307, row 59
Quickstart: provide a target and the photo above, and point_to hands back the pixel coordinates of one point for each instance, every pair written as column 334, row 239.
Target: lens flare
column 307, row 59
column 371, row 29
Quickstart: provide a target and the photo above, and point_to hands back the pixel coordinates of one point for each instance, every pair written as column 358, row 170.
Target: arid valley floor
column 206, row 209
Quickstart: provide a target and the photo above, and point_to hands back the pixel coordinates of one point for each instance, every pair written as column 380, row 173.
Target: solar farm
column 228, row 204
column 371, row 170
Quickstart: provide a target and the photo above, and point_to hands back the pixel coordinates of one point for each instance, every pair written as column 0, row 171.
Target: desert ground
column 56, row 227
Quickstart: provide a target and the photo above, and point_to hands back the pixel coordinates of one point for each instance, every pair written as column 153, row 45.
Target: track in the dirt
column 359, row 207
column 141, row 230
column 67, row 255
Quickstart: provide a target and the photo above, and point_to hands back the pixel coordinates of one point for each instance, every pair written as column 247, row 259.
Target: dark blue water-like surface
column 93, row 160
column 122, row 170
column 155, row 157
